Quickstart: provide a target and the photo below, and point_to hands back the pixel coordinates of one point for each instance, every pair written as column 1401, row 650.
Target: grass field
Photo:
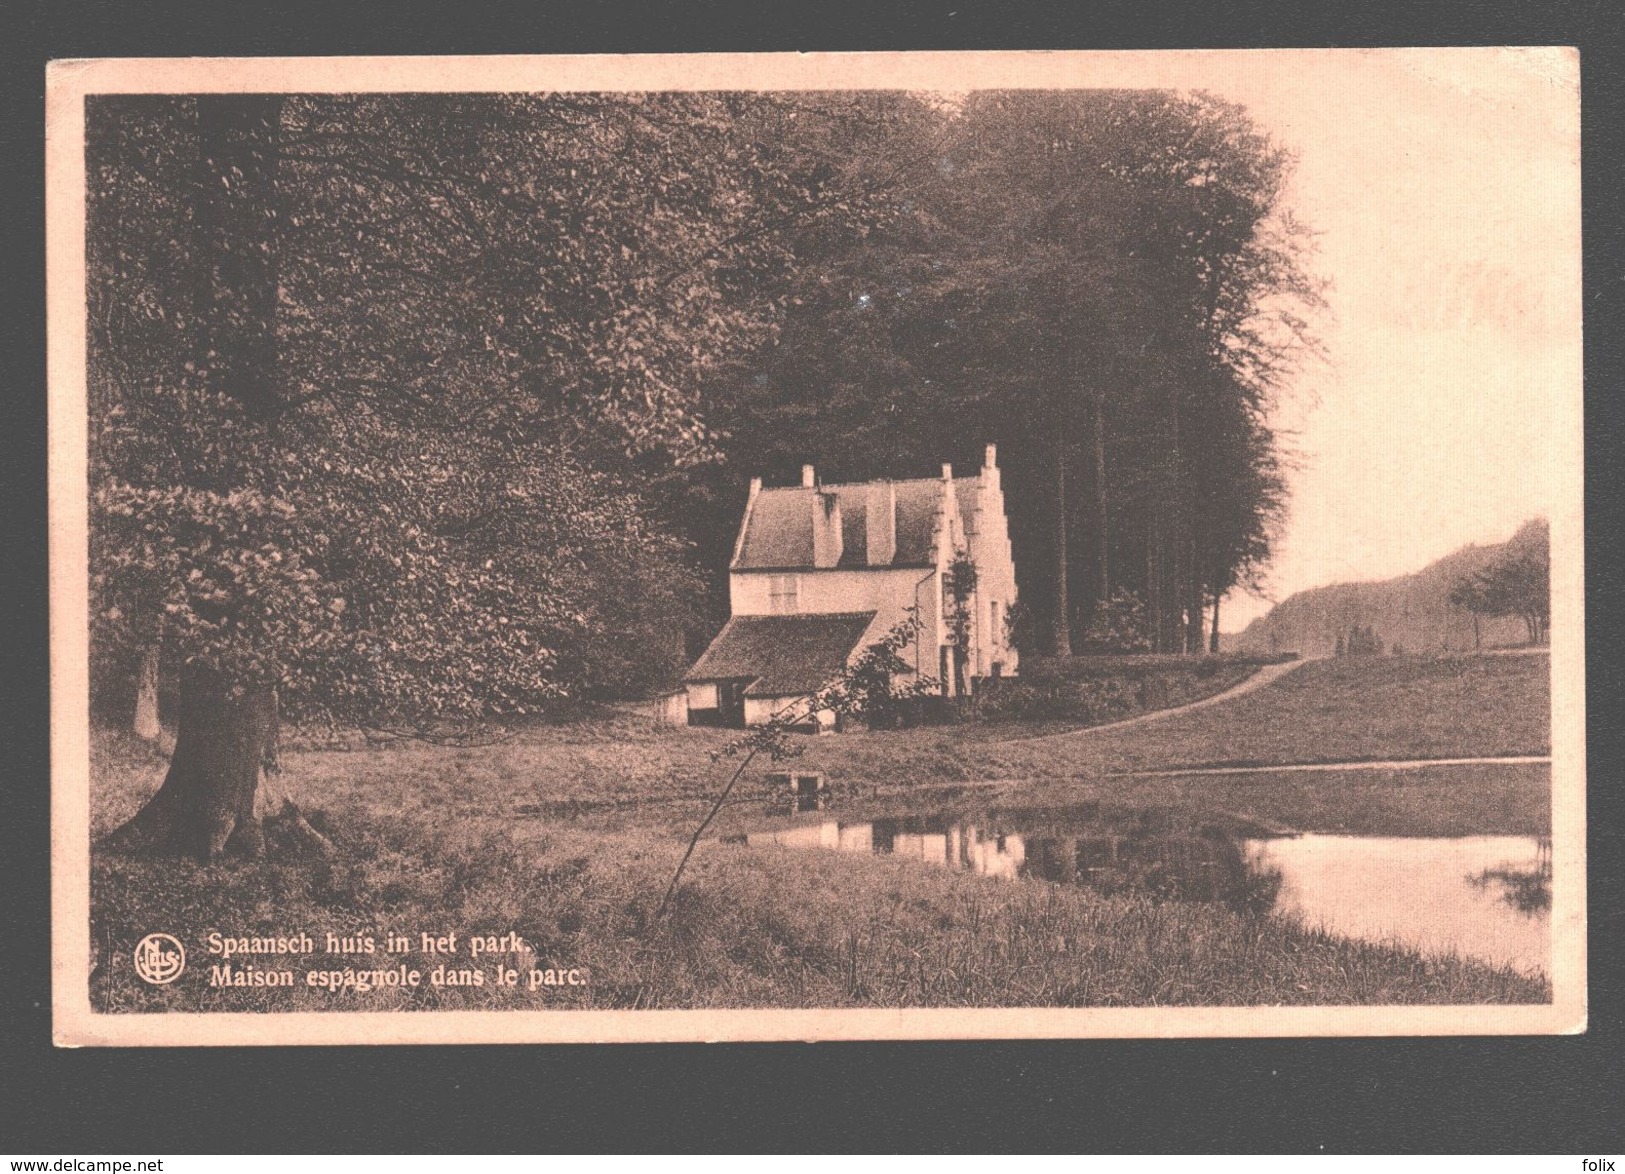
column 750, row 928
column 1358, row 708
column 568, row 833
column 1355, row 709
column 1349, row 709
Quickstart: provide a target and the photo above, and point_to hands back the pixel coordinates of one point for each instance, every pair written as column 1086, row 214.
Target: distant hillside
column 1412, row 611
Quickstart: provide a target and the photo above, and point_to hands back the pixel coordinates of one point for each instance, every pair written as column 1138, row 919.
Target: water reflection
column 1524, row 886
column 1487, row 897
column 1139, row 855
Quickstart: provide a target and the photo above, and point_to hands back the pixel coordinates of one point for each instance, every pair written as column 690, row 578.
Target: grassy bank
column 568, row 832
column 611, row 770
column 750, row 928
column 1352, row 709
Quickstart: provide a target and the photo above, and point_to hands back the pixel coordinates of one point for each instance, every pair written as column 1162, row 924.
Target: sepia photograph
column 816, row 546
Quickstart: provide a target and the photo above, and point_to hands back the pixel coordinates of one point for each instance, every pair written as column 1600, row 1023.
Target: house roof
column 787, row 655
column 778, row 530
column 779, row 534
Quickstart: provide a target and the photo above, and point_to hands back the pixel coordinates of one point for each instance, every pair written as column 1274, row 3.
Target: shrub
column 1118, row 625
column 1087, row 701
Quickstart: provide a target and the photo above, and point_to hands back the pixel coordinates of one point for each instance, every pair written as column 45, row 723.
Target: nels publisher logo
column 159, row 959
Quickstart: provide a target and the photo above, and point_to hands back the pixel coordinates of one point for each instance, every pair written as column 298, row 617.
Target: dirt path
column 1267, row 675
column 1391, row 764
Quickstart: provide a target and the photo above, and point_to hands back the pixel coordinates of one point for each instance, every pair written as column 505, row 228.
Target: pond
column 1486, row 897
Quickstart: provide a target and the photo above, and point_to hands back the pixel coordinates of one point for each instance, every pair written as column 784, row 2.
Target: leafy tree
column 371, row 382
column 959, row 587
column 1516, row 583
column 1468, row 594
column 1106, row 284
column 1225, row 263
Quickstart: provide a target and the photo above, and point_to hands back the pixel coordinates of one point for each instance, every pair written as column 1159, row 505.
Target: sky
column 1443, row 186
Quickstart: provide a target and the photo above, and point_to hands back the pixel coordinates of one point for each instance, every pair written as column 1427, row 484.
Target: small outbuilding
column 759, row 666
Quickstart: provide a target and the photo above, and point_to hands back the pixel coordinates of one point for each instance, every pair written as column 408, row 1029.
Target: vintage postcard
column 815, row 547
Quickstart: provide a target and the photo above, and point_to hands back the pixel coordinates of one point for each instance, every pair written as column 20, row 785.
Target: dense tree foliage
column 1105, row 283
column 371, row 381
column 412, row 411
column 1517, row 583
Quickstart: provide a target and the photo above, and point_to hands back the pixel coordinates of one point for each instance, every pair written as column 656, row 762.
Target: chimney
column 990, row 459
column 808, row 480
column 755, row 486
column 826, row 523
column 880, row 523
column 947, row 471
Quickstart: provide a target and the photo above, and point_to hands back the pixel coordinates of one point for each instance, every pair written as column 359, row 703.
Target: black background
column 1556, row 1095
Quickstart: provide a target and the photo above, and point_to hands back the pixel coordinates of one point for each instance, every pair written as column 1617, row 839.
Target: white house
column 820, row 572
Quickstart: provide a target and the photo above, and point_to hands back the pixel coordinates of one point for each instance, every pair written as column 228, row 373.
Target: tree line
column 415, row 411
column 1518, row 582
column 1109, row 285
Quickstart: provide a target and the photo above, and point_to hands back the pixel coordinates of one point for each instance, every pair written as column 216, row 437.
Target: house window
column 782, row 594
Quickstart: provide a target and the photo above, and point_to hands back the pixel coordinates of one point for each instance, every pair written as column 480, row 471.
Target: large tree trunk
column 214, row 798
column 1172, row 556
column 1102, row 503
column 1213, row 640
column 1166, row 572
column 1195, row 601
column 146, row 696
column 1153, row 575
column 1062, row 629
